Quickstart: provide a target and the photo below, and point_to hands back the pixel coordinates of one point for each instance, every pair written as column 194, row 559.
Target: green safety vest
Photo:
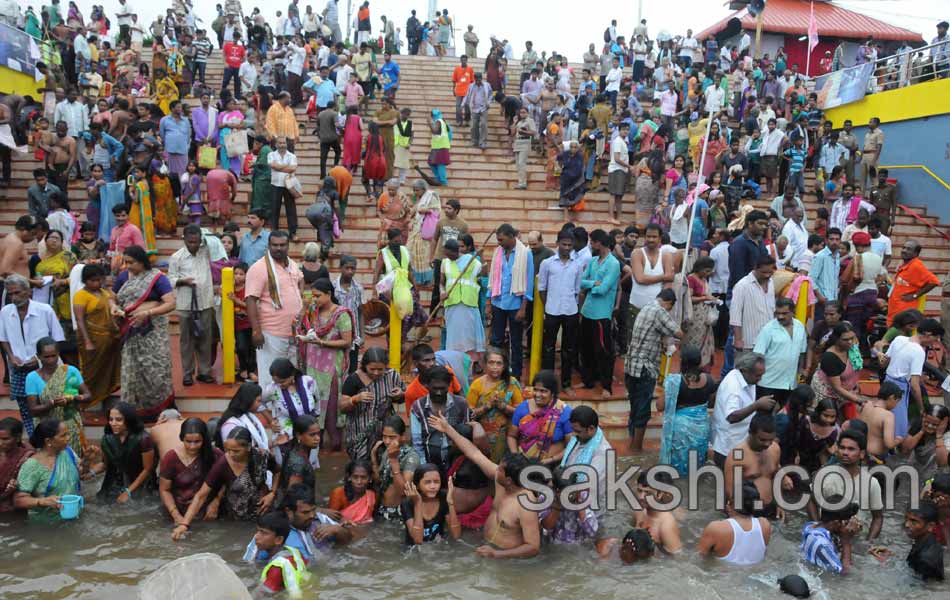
column 390, row 262
column 441, row 141
column 293, row 575
column 401, row 140
column 466, row 292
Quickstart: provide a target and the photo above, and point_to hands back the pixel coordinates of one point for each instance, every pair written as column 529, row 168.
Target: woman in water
column 57, row 390
column 355, row 499
column 540, row 425
column 927, row 441
column 837, row 379
column 53, row 471
column 428, row 512
column 290, row 395
column 394, row 462
column 97, row 334
column 299, row 457
column 327, row 331
column 684, row 405
column 367, row 398
column 493, row 398
column 183, row 471
column 472, row 488
column 242, row 412
column 242, row 473
column 128, row 456
column 13, row 454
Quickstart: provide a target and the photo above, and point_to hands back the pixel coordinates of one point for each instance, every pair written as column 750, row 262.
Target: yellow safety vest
column 441, row 141
column 390, row 262
column 294, row 573
column 401, row 140
column 466, row 292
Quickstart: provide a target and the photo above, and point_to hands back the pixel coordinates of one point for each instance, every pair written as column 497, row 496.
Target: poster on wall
column 843, row 86
column 15, row 50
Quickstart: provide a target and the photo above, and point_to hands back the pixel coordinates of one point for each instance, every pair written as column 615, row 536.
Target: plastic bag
column 207, row 157
column 429, row 224
column 402, row 297
column 199, row 577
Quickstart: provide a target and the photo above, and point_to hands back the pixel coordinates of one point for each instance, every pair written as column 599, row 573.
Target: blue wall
column 924, row 141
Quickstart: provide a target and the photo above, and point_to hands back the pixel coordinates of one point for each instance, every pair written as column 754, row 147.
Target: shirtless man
column 13, row 255
column 635, row 545
column 122, row 117
column 662, row 525
column 877, row 413
column 61, row 155
column 511, row 531
column 165, row 433
column 741, row 538
column 758, row 463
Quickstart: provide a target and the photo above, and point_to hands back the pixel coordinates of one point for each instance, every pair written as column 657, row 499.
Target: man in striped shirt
column 753, row 304
column 819, row 548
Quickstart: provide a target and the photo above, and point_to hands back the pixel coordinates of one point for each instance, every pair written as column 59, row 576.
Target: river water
column 111, row 548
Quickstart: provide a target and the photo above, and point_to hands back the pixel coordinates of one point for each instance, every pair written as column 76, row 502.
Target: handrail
column 924, row 168
column 912, row 213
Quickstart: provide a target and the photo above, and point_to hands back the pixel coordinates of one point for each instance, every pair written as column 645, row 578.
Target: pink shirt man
column 276, row 321
column 123, row 236
column 353, row 91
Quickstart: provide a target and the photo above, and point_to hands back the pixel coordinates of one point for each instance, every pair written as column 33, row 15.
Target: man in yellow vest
column 284, row 567
column 464, row 330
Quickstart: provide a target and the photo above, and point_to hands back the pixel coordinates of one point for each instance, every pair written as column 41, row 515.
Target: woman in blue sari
column 684, row 405
column 52, row 472
column 230, row 119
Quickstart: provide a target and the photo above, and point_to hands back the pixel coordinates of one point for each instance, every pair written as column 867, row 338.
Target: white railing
column 909, row 67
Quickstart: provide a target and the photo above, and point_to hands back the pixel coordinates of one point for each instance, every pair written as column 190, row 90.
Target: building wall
column 14, row 82
column 912, row 102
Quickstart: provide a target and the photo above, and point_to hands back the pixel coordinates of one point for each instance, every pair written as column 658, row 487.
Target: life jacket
column 294, row 573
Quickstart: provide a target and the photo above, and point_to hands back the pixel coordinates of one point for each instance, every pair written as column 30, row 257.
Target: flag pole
column 811, row 20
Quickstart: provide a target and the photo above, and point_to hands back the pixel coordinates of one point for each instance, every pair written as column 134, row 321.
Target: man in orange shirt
column 424, row 358
column 462, row 77
column 911, row 281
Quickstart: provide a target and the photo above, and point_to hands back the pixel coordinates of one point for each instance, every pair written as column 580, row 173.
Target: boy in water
column 879, row 416
column 636, row 545
column 661, row 524
column 284, row 567
column 926, row 555
column 820, row 548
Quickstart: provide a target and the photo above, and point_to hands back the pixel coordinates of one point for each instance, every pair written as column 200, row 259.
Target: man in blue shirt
column 389, row 75
column 323, row 88
column 825, row 271
column 106, row 150
column 509, row 296
column 254, row 242
column 600, row 281
column 175, row 130
column 559, row 283
column 783, row 344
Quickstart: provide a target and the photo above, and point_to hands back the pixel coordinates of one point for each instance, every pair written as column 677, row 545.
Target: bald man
column 165, row 433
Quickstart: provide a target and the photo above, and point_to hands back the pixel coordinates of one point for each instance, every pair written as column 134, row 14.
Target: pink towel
column 793, row 288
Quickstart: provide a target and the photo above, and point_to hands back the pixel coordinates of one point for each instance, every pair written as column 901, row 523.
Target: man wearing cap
column 884, row 198
column 824, row 65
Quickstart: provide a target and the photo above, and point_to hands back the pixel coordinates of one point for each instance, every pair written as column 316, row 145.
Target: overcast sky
column 566, row 26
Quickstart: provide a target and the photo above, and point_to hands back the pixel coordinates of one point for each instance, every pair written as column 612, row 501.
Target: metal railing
column 910, row 66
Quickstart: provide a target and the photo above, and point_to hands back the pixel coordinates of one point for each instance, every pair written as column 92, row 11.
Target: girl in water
column 394, row 461
column 355, row 499
column 428, row 512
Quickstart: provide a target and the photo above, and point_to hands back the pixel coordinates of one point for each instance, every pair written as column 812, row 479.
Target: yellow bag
column 207, row 157
column 402, row 297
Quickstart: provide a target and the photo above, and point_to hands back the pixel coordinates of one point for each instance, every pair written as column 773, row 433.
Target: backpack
column 607, row 35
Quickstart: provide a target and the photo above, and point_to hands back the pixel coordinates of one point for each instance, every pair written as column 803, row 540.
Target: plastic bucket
column 72, row 506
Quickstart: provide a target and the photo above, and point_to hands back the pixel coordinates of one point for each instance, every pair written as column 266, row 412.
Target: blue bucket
column 72, row 506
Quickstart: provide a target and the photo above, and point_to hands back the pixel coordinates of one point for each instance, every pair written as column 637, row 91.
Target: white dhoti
column 274, row 347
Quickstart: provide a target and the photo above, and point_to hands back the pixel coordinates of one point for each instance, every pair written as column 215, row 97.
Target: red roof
column 791, row 17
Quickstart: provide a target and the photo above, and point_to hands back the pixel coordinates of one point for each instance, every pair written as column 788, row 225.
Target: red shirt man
column 233, row 54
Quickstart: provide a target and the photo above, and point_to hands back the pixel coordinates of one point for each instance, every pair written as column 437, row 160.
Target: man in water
column 636, row 545
column 165, row 433
column 851, row 450
column 511, row 531
column 740, row 539
column 757, row 459
column 661, row 524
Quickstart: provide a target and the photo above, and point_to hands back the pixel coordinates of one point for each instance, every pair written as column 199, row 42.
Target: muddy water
column 106, row 553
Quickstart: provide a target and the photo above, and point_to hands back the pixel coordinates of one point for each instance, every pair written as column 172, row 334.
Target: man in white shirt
column 794, row 230
column 880, row 243
column 905, row 364
column 719, row 281
column 124, row 18
column 772, row 138
column 842, row 208
column 189, row 271
column 736, row 404
column 639, row 57
column 136, row 35
column 753, row 304
column 725, row 58
column 613, row 79
column 248, row 73
column 715, row 96
column 283, row 163
column 559, row 282
column 296, row 56
column 618, row 171
column 22, row 324
column 688, row 46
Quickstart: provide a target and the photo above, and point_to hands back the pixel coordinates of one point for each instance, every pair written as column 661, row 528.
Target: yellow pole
column 801, row 307
column 395, row 338
column 922, row 302
column 227, row 324
column 537, row 331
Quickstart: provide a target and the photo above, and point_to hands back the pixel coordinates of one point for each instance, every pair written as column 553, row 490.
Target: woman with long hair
column 57, row 390
column 243, row 473
column 493, row 398
column 322, row 214
column 541, row 424
column 230, row 119
column 837, row 378
column 394, row 461
column 492, row 73
column 428, row 511
column 684, row 404
column 699, row 329
column 58, row 263
column 165, row 207
column 374, row 163
column 13, row 454
column 355, row 499
column 144, row 298
column 242, row 412
column 352, row 139
column 649, row 172
column 366, row 398
column 299, row 458
column 326, row 334
column 927, row 441
column 52, row 472
column 97, row 333
column 712, row 148
column 182, row 471
column 128, row 456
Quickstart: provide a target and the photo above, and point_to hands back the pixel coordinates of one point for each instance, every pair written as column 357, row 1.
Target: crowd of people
column 799, row 309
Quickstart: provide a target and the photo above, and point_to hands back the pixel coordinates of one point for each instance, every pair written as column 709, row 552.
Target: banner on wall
column 843, row 86
column 17, row 50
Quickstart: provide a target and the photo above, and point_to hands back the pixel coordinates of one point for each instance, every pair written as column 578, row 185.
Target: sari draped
column 420, row 249
column 140, row 214
column 684, row 430
column 261, row 190
column 9, row 469
column 495, row 422
column 59, row 266
column 361, row 511
column 327, row 366
column 394, row 212
column 38, row 481
column 117, row 456
column 849, row 381
column 573, row 182
column 536, row 429
column 165, row 92
column 58, row 386
column 146, row 350
column 233, row 163
column 166, row 209
column 552, row 170
column 364, row 423
column 246, row 490
column 100, row 367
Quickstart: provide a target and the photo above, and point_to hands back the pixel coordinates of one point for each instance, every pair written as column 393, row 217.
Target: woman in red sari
column 493, row 71
column 352, row 139
column 12, row 456
column 540, row 425
column 374, row 165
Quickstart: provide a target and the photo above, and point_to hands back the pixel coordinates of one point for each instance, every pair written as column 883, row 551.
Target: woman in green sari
column 261, row 190
column 58, row 263
column 493, row 398
column 128, row 455
column 50, row 473
column 56, row 390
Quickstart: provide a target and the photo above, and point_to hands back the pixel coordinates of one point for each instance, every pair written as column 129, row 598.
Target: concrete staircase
column 483, row 181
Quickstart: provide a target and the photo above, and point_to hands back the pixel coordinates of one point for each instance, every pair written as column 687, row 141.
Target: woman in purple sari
column 540, row 426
